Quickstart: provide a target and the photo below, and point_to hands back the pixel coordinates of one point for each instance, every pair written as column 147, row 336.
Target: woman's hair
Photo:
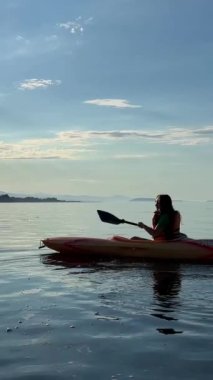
column 164, row 206
column 165, row 203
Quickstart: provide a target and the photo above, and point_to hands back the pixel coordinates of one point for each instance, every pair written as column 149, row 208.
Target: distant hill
column 5, row 198
column 67, row 197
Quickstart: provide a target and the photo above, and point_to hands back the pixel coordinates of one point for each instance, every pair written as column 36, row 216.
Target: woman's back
column 166, row 220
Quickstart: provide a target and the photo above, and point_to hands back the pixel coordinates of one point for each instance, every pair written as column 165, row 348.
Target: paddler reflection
column 166, row 288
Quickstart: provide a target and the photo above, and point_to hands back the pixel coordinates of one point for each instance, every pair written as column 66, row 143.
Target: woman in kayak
column 166, row 220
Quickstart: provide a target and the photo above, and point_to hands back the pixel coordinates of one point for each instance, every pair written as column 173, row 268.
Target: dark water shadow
column 66, row 261
column 59, row 261
column 63, row 261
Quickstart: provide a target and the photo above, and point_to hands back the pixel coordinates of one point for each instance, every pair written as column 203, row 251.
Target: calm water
column 100, row 321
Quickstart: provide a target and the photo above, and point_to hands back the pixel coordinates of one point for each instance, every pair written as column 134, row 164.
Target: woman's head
column 164, row 203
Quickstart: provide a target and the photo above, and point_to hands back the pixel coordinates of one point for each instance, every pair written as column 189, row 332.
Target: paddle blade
column 109, row 218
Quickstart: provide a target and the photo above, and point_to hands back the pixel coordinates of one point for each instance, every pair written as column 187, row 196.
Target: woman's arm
column 149, row 230
column 154, row 232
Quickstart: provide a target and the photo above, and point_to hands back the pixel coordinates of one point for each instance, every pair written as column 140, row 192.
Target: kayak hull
column 122, row 248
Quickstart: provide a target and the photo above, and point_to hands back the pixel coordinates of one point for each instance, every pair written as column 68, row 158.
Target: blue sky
column 107, row 97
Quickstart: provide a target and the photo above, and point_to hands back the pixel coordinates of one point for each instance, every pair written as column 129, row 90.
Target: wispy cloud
column 22, row 39
column 34, row 84
column 135, row 156
column 177, row 136
column 75, row 26
column 83, row 145
column 41, row 149
column 19, row 46
column 51, row 38
column 116, row 103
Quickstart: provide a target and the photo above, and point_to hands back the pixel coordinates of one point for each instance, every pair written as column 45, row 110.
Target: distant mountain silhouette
column 36, row 197
column 5, row 198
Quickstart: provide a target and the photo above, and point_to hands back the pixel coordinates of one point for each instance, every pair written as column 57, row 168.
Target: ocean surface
column 106, row 320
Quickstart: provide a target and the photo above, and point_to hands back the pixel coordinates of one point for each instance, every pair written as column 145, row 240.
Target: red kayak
column 117, row 247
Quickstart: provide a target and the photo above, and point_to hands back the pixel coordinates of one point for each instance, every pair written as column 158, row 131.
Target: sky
column 107, row 97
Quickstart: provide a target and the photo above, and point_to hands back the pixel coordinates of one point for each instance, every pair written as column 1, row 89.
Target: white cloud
column 204, row 131
column 181, row 136
column 76, row 26
column 116, row 103
column 33, row 84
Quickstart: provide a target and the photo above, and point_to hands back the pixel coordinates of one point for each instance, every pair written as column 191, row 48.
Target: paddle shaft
column 126, row 222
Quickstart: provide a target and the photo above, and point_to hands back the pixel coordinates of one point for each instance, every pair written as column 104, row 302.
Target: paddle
column 110, row 218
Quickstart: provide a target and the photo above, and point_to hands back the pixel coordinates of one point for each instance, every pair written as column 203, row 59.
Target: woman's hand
column 141, row 225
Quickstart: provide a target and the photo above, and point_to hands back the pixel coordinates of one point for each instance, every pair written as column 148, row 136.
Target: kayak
column 118, row 247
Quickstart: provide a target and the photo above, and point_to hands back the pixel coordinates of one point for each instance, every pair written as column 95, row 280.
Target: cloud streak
column 84, row 145
column 115, row 103
column 176, row 136
column 34, row 84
